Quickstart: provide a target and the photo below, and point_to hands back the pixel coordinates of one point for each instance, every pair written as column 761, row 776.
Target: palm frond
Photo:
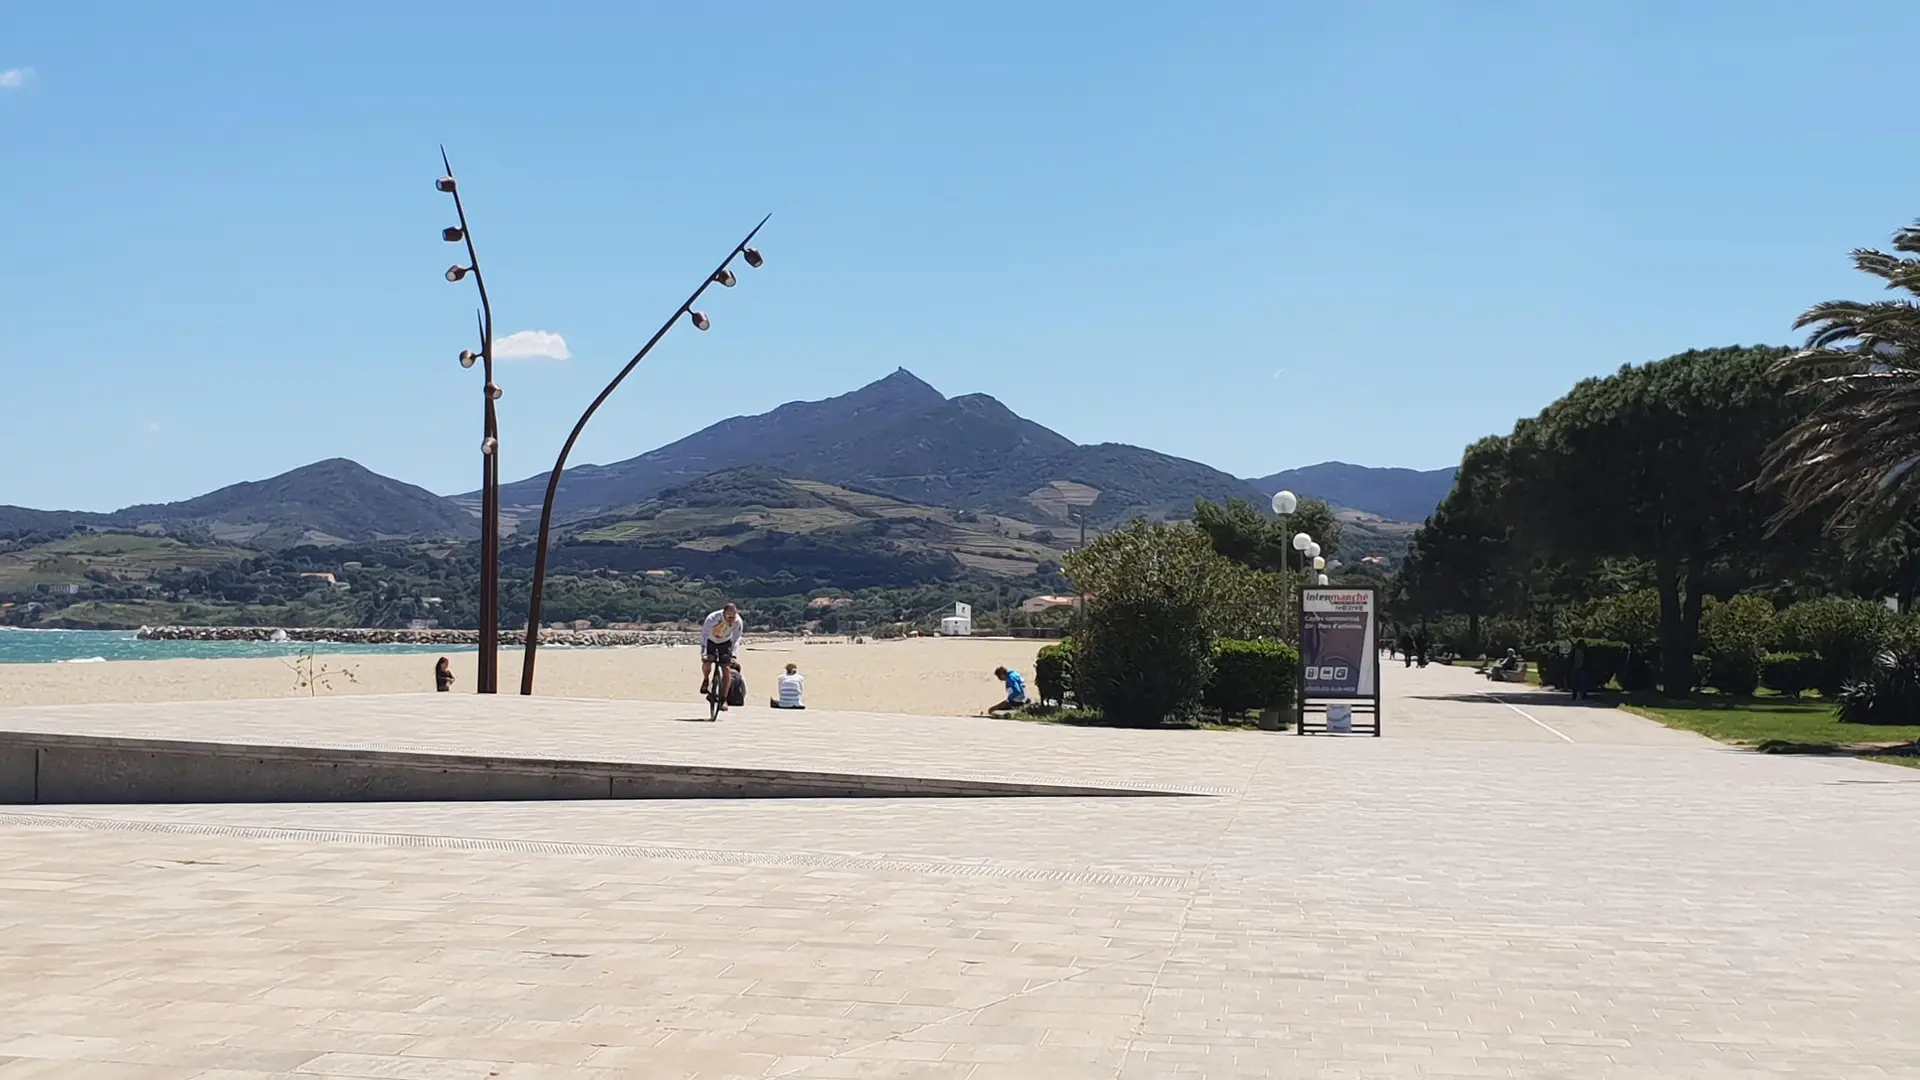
column 1855, row 454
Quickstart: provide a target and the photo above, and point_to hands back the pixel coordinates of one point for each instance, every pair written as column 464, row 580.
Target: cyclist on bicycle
column 719, row 640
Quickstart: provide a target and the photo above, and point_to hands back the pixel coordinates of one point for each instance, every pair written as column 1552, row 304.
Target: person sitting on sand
column 443, row 675
column 793, row 690
column 1016, row 691
column 736, row 685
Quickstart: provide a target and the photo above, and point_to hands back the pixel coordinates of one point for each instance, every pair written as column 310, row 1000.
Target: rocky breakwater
column 374, row 636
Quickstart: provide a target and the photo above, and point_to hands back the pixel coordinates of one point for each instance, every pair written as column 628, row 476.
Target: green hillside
column 104, row 557
column 757, row 509
column 1363, row 535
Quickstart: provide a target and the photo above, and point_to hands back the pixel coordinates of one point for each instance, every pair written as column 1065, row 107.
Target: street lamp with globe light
column 1284, row 504
column 1301, row 542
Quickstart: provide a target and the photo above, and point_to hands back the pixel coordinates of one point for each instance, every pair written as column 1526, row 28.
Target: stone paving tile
column 1471, row 896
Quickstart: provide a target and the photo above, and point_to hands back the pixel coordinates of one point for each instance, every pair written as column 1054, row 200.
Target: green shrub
column 1889, row 694
column 1450, row 635
column 1605, row 660
column 1734, row 673
column 1846, row 634
column 1550, row 660
column 1791, row 673
column 1140, row 660
column 1145, row 647
column 1053, row 672
column 1637, row 672
column 1737, row 635
column 1633, row 618
column 1702, row 674
column 1554, row 662
column 1252, row 675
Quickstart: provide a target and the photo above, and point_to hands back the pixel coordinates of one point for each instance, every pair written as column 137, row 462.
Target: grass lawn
column 1779, row 726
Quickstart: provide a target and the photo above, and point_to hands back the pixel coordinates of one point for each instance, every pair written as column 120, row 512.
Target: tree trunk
column 1696, row 597
column 1473, row 634
column 1676, row 646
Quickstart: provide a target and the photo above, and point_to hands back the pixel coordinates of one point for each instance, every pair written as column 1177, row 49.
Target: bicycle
column 721, row 676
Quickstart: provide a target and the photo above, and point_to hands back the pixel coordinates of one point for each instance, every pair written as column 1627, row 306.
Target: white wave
column 84, row 660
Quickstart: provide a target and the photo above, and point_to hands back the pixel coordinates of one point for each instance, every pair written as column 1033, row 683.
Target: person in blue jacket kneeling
column 1016, row 692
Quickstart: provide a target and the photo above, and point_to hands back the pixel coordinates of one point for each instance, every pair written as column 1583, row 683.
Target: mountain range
column 327, row 502
column 902, row 438
column 1395, row 494
column 896, row 438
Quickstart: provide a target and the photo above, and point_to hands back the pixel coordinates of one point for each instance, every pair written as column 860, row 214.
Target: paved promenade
column 1499, row 887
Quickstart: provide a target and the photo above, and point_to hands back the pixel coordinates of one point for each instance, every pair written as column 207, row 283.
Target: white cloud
column 531, row 345
column 15, row 78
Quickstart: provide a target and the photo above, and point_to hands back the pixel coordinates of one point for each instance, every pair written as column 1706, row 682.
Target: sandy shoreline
column 926, row 676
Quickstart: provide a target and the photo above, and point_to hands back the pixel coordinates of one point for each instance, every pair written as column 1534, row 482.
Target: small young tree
column 1145, row 650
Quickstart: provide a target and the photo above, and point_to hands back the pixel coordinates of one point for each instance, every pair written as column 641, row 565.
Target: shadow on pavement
column 1522, row 698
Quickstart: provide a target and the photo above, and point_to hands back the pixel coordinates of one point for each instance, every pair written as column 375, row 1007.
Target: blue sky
column 1260, row 235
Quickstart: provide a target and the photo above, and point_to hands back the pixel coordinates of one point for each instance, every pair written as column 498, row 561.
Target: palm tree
column 1853, row 454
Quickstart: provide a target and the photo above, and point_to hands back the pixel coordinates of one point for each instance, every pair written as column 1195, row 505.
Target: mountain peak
column 335, row 466
column 901, row 387
column 902, row 375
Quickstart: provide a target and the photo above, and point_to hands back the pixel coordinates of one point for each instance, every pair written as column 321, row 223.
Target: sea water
column 99, row 646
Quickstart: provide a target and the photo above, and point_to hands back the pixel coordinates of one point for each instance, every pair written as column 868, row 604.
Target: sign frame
column 1364, row 706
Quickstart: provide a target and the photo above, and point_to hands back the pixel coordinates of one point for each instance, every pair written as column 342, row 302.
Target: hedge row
column 1249, row 676
column 1606, row 660
column 1791, row 673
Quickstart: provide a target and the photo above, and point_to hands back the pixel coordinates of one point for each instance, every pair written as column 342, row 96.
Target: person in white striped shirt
column 793, row 690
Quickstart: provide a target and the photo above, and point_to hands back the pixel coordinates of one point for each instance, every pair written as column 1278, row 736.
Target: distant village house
column 1038, row 604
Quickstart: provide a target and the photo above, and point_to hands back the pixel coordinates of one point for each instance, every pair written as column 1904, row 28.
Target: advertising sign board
column 1338, row 653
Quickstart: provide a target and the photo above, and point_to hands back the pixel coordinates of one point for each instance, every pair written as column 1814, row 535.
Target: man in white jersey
column 719, row 640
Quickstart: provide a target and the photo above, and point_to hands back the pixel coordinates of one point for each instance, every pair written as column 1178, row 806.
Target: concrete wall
column 40, row 768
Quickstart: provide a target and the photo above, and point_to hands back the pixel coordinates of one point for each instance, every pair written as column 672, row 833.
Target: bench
column 1518, row 674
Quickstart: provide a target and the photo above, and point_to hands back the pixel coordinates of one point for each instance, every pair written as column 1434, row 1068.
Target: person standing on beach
column 719, row 639
column 443, row 675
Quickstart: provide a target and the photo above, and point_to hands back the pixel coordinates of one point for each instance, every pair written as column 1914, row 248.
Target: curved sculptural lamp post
column 487, row 680
column 723, row 275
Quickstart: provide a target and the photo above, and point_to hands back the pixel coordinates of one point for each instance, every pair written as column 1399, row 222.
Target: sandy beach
column 926, row 676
